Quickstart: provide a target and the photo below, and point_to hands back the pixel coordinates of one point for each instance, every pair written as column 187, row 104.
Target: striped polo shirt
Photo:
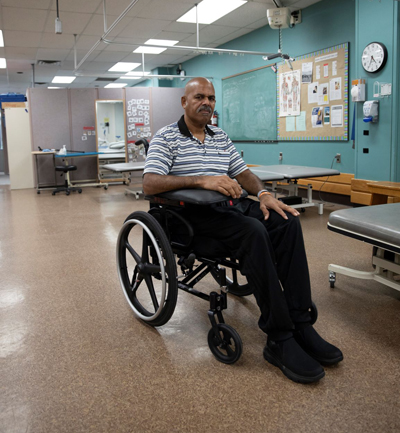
column 174, row 150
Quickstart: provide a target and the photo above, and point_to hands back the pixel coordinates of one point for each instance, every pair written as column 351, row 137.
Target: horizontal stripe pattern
column 171, row 152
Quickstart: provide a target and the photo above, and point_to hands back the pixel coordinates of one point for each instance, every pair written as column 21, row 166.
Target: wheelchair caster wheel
column 227, row 346
column 313, row 313
column 67, row 193
column 80, row 191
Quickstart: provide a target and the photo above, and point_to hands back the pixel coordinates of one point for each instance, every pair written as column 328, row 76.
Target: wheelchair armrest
column 191, row 196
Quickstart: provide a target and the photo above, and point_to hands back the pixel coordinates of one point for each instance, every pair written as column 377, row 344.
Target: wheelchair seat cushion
column 201, row 197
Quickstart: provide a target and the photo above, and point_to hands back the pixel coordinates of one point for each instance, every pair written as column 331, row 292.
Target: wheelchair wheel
column 236, row 283
column 313, row 313
column 228, row 347
column 147, row 269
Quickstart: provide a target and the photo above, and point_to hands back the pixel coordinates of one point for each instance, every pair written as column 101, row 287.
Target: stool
column 67, row 188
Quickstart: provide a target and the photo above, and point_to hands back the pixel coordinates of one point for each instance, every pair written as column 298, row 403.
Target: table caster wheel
column 332, row 279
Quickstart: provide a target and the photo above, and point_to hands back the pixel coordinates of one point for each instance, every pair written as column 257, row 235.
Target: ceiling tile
column 72, row 23
column 110, row 56
column 21, row 39
column 21, row 53
column 33, row 4
column 260, row 23
column 144, row 28
column 85, row 42
column 164, row 9
column 81, row 6
column 51, row 54
column 64, row 41
column 96, row 25
column 21, row 19
column 244, row 15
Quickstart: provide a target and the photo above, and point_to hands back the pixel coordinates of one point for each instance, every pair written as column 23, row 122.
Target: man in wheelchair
column 265, row 236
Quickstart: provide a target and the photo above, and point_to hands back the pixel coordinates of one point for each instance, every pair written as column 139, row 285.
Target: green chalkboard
column 249, row 105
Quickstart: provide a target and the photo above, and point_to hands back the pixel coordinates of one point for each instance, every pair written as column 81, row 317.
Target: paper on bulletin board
column 329, row 122
column 289, row 88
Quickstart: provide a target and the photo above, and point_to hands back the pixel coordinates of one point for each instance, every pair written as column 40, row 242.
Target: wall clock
column 374, row 57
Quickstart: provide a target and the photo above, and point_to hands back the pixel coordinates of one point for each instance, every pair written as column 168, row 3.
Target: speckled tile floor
column 73, row 358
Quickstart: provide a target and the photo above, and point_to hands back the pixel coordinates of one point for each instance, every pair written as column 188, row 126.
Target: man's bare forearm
column 157, row 183
column 250, row 182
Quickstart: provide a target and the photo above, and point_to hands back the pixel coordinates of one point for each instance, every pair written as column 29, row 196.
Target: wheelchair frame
column 156, row 266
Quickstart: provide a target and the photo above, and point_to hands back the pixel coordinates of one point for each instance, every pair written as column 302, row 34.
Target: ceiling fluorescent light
column 55, row 87
column 149, row 50
column 124, row 67
column 61, row 79
column 209, row 11
column 165, row 42
column 1, row 39
column 3, row 63
column 115, row 85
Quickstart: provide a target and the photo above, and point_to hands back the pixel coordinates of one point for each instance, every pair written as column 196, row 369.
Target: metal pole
column 105, row 15
column 113, row 25
column 75, row 50
column 187, row 48
column 33, row 74
column 197, row 28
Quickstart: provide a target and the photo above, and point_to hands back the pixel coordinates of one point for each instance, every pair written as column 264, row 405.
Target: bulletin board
column 312, row 98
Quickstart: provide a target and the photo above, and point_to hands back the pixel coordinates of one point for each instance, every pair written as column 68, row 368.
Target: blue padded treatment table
column 378, row 226
column 290, row 174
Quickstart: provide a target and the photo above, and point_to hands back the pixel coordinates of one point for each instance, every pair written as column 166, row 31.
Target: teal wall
column 378, row 21
column 324, row 24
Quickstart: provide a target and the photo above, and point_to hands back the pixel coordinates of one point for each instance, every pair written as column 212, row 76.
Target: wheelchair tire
column 313, row 313
column 230, row 349
column 232, row 285
column 147, row 269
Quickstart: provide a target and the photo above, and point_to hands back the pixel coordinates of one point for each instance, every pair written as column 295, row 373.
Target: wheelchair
column 149, row 254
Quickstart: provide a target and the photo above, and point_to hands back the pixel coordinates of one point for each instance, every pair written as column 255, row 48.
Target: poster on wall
column 289, row 93
column 138, row 125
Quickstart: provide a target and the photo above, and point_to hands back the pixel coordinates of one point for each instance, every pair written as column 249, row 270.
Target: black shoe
column 293, row 361
column 312, row 343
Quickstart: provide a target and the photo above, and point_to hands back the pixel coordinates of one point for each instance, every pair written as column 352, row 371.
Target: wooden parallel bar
column 344, row 178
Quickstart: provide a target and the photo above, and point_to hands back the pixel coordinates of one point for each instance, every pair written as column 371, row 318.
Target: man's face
column 199, row 102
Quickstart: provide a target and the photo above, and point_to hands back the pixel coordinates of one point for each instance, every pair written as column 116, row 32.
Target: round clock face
column 374, row 57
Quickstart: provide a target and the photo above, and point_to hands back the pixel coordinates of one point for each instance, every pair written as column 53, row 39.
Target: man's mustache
column 205, row 108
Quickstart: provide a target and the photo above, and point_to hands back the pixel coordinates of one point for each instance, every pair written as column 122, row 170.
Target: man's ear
column 183, row 101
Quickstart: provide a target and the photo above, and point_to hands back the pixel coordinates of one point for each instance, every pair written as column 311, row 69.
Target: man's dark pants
column 271, row 255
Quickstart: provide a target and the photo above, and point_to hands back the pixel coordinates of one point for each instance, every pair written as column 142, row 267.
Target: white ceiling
column 29, row 35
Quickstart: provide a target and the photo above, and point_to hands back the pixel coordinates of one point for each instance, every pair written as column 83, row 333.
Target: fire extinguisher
column 214, row 119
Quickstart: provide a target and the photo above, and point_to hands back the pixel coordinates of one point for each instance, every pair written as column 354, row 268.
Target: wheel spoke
column 229, row 350
column 152, row 292
column 136, row 280
column 145, row 247
column 134, row 254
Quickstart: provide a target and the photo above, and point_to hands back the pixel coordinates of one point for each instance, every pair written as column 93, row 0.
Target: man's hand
column 223, row 184
column 268, row 202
